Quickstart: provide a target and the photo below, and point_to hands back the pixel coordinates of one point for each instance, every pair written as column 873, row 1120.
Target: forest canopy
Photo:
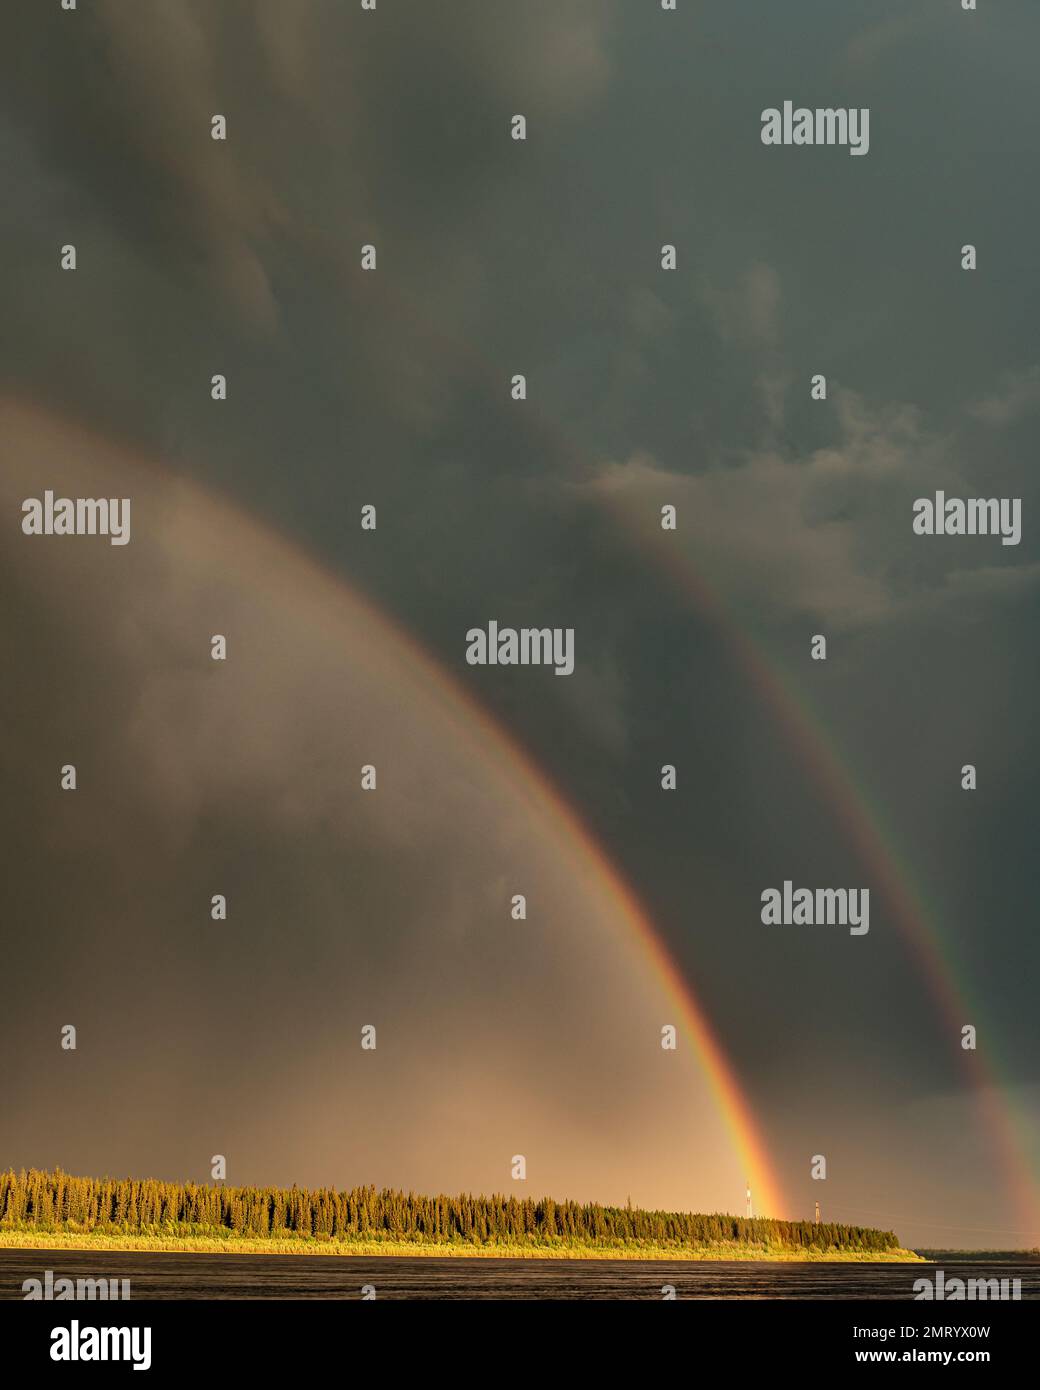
column 45, row 1201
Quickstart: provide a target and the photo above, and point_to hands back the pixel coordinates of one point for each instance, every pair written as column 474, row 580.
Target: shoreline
column 201, row 1245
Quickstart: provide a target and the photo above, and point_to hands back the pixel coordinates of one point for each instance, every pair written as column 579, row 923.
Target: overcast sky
column 645, row 387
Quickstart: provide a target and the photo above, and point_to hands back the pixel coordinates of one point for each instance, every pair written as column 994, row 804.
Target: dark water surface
column 192, row 1276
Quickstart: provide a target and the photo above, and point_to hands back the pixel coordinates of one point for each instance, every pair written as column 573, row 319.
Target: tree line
column 45, row 1201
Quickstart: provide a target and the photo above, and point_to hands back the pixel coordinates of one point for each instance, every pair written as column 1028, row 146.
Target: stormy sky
column 645, row 388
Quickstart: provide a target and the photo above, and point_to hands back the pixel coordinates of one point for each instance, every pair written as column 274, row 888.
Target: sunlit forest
column 55, row 1202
